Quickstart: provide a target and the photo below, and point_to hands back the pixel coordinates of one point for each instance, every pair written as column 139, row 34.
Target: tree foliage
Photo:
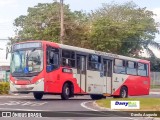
column 43, row 23
column 118, row 28
column 123, row 29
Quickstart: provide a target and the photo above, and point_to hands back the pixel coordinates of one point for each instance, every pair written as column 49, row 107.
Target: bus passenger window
column 131, row 68
column 142, row 69
column 68, row 58
column 94, row 62
column 119, row 66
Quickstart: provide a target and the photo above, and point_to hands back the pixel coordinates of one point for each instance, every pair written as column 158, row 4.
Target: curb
column 102, row 108
column 155, row 93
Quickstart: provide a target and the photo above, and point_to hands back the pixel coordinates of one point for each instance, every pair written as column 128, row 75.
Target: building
column 4, row 73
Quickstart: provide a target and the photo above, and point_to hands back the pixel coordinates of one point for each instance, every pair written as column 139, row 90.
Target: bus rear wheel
column 66, row 92
column 38, row 95
column 96, row 97
column 123, row 92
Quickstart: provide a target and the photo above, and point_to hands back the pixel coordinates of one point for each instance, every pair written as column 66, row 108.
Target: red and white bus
column 44, row 67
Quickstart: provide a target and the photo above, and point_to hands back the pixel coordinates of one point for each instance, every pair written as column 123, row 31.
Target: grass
column 146, row 104
column 4, row 87
column 155, row 86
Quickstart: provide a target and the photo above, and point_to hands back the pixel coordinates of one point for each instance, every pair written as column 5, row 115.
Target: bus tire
column 66, row 92
column 96, row 97
column 123, row 92
column 38, row 95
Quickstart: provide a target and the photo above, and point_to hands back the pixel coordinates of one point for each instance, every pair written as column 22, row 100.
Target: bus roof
column 88, row 51
column 101, row 53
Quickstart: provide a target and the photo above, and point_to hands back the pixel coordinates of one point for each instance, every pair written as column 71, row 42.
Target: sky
column 11, row 9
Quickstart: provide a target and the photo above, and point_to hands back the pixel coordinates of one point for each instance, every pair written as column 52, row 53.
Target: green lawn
column 155, row 86
column 146, row 104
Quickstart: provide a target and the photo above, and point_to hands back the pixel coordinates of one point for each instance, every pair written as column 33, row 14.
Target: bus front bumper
column 37, row 87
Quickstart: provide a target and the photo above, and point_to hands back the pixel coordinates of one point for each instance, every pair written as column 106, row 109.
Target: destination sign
column 27, row 45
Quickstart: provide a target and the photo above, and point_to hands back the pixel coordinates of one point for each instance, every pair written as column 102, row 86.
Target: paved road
column 54, row 103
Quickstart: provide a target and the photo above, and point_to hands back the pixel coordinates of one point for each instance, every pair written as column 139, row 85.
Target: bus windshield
column 26, row 61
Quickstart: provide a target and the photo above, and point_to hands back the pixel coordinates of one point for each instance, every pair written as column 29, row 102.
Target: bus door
column 107, row 76
column 81, row 72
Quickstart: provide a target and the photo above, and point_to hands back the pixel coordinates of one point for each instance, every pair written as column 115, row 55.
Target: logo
column 125, row 105
column 6, row 114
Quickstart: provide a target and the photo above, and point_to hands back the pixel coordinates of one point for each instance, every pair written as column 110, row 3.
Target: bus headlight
column 40, row 80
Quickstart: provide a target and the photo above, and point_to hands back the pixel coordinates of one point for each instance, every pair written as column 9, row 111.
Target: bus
column 44, row 67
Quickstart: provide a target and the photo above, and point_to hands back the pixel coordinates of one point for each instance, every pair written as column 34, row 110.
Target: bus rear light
column 40, row 80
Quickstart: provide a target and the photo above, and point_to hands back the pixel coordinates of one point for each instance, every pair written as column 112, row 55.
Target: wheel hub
column 67, row 91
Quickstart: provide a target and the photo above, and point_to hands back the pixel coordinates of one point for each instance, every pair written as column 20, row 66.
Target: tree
column 117, row 28
column 43, row 23
column 154, row 63
column 123, row 29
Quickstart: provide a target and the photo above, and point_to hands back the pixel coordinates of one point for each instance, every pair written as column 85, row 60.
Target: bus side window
column 119, row 66
column 52, row 58
column 68, row 58
column 131, row 68
column 142, row 69
column 94, row 62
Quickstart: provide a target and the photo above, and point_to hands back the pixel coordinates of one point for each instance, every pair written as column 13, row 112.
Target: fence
column 155, row 79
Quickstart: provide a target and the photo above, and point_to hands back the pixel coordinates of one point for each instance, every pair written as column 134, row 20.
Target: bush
column 4, row 87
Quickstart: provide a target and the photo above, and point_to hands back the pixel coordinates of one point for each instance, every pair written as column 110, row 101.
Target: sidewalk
column 155, row 91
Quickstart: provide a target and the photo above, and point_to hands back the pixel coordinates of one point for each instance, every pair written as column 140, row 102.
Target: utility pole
column 62, row 22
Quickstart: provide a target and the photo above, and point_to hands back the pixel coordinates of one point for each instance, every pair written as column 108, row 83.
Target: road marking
column 20, row 109
column 14, row 96
column 23, row 103
column 83, row 105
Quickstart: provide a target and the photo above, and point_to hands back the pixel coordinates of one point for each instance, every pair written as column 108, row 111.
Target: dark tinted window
column 52, row 58
column 131, row 68
column 119, row 66
column 142, row 69
column 68, row 58
column 94, row 62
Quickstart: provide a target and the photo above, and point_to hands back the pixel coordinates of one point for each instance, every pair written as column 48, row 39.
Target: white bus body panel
column 27, row 88
column 118, row 80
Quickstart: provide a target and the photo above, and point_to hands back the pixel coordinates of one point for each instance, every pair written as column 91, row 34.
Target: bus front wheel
column 66, row 91
column 38, row 95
